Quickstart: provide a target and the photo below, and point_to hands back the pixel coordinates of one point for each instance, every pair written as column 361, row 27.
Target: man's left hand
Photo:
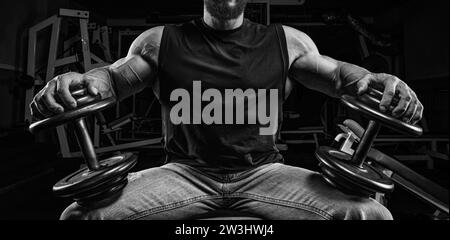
column 408, row 108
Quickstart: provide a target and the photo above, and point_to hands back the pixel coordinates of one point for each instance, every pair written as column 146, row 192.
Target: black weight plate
column 102, row 189
column 70, row 115
column 104, row 199
column 345, row 184
column 102, row 195
column 365, row 176
column 85, row 179
column 94, row 189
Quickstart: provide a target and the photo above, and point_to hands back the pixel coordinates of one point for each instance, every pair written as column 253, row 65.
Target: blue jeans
column 271, row 191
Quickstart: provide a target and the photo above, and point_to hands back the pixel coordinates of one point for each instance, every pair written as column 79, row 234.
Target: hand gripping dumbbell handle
column 86, row 105
column 379, row 95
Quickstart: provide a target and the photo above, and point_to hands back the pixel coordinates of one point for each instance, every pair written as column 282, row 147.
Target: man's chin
column 223, row 10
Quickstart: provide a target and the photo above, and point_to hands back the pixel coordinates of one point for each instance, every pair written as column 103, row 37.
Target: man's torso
column 198, row 59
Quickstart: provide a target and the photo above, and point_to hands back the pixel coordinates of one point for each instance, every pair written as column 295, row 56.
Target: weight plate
column 103, row 195
column 339, row 168
column 85, row 179
column 344, row 184
column 93, row 189
column 70, row 115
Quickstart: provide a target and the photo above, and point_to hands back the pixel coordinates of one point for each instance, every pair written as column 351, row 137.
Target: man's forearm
column 348, row 75
column 327, row 75
column 127, row 76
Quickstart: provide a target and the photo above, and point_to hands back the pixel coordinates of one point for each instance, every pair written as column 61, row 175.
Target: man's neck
column 222, row 24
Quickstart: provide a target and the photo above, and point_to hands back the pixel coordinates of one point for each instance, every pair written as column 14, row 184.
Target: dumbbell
column 100, row 181
column 349, row 170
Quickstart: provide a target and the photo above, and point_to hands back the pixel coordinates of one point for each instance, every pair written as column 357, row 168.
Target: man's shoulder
column 147, row 43
column 153, row 34
column 149, row 38
column 298, row 42
column 296, row 36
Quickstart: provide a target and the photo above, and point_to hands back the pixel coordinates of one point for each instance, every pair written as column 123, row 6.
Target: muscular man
column 214, row 160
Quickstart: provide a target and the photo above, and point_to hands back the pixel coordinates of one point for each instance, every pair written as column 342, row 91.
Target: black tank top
column 253, row 57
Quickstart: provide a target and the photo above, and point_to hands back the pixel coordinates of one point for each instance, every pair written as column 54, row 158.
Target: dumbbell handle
column 85, row 143
column 359, row 157
column 84, row 139
column 369, row 135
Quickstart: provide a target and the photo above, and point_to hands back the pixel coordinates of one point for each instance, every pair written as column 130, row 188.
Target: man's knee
column 368, row 209
column 77, row 212
column 72, row 212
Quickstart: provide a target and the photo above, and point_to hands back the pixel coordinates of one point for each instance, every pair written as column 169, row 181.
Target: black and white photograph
column 223, row 113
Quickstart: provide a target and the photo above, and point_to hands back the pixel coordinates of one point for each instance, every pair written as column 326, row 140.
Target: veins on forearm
column 350, row 73
column 100, row 73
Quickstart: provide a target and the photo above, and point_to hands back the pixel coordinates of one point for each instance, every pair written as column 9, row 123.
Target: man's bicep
column 317, row 64
column 147, row 43
column 317, row 72
column 305, row 57
column 139, row 68
column 298, row 43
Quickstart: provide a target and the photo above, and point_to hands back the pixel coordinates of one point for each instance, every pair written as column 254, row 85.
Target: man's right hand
column 55, row 97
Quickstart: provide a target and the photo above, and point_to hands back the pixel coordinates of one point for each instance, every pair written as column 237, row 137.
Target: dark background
column 417, row 33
